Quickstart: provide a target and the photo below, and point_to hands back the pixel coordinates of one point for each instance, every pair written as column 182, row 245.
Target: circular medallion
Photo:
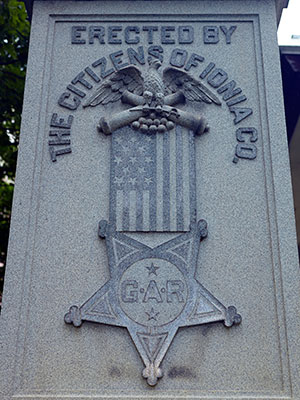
column 152, row 292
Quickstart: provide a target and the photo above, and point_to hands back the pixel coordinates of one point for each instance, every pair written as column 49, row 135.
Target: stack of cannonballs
column 153, row 123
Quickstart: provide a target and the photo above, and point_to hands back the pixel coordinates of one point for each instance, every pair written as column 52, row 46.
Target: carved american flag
column 152, row 180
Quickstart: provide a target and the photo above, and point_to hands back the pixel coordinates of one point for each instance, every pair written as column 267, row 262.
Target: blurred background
column 289, row 46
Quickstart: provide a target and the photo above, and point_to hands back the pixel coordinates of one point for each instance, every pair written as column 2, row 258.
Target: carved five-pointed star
column 119, row 180
column 152, row 269
column 132, row 180
column 148, row 181
column 152, row 314
column 118, row 160
column 119, row 140
column 152, row 336
column 126, row 149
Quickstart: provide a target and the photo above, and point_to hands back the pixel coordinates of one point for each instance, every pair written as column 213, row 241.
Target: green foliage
column 14, row 38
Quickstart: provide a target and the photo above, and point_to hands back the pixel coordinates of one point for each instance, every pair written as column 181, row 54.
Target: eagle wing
column 176, row 80
column 111, row 90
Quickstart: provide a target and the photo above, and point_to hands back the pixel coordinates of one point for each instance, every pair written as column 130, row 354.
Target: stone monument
column 152, row 250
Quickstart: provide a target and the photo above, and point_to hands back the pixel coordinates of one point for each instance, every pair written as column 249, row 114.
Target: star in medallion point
column 152, row 269
column 152, row 314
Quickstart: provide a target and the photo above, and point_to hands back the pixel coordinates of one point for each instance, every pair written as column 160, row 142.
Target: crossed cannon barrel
column 198, row 124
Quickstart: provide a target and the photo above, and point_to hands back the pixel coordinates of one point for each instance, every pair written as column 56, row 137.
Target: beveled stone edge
column 280, row 4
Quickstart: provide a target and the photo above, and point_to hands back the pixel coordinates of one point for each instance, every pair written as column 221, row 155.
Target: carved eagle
column 152, row 86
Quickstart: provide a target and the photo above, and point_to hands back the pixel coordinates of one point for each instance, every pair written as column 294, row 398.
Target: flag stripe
column 132, row 210
column 146, row 209
column 119, row 210
column 153, row 190
column 166, row 182
column 173, row 188
column 126, row 206
column 159, row 182
column 139, row 210
column 192, row 180
column 179, row 178
column 186, row 180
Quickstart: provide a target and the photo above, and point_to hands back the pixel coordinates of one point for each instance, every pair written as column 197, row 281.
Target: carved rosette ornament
column 152, row 290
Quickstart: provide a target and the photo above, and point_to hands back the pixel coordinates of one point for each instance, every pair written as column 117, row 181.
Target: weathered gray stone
column 152, row 180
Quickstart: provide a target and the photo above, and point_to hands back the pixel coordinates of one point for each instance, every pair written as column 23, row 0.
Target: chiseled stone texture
column 56, row 259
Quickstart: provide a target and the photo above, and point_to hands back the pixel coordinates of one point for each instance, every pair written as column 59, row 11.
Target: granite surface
column 235, row 177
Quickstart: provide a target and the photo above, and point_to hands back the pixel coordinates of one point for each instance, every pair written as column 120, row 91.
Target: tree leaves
column 14, row 38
